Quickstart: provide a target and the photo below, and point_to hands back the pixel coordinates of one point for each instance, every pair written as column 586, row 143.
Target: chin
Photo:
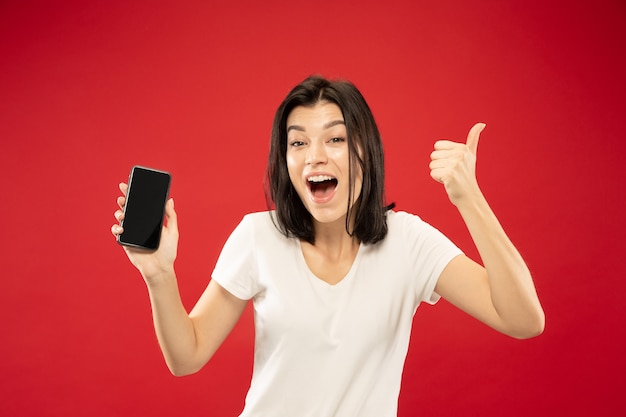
column 327, row 216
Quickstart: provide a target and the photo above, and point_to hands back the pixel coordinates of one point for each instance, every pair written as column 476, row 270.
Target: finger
column 170, row 215
column 121, row 201
column 116, row 229
column 439, row 164
column 446, row 153
column 442, row 145
column 437, row 175
column 123, row 187
column 473, row 136
column 119, row 215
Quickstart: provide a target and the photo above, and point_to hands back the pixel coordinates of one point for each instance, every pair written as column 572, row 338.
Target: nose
column 316, row 154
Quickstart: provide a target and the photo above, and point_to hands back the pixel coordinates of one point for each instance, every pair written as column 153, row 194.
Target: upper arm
column 464, row 284
column 214, row 316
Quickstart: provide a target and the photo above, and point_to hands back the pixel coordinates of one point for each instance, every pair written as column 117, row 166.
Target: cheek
column 292, row 167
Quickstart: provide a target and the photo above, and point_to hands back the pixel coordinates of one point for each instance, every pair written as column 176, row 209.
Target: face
column 318, row 163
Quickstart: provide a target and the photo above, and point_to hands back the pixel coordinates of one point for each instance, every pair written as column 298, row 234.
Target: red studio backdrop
column 88, row 89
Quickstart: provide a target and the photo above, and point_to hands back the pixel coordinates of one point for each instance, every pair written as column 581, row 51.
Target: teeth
column 320, row 178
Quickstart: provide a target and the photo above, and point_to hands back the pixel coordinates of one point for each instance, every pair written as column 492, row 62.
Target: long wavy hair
column 365, row 153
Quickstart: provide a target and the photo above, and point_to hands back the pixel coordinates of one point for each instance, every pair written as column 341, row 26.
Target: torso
column 331, row 334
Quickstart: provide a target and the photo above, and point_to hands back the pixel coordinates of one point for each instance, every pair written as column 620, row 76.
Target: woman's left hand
column 454, row 165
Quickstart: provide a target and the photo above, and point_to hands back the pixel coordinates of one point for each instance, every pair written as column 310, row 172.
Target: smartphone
column 144, row 211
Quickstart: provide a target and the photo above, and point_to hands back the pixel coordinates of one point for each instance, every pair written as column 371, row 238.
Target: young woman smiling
column 335, row 274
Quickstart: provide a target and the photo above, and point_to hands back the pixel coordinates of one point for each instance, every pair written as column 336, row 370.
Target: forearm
column 512, row 290
column 174, row 329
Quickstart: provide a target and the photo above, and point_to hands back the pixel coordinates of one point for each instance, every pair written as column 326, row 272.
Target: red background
column 88, row 89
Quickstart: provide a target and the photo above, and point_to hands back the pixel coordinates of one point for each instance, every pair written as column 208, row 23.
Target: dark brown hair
column 365, row 152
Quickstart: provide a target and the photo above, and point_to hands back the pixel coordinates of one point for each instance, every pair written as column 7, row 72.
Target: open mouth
column 322, row 186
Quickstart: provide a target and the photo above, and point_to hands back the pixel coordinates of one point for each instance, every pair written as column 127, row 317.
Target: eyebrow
column 326, row 126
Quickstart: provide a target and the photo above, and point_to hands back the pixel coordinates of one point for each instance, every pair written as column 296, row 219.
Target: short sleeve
column 235, row 269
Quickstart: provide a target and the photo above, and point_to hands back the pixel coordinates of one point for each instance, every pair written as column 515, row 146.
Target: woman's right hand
column 153, row 265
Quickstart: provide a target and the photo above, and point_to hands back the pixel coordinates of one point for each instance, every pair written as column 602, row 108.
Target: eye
column 296, row 143
column 337, row 140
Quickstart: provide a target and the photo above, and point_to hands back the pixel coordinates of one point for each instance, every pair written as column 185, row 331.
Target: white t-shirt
column 331, row 350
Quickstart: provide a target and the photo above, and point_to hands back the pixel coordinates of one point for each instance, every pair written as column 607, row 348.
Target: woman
column 334, row 275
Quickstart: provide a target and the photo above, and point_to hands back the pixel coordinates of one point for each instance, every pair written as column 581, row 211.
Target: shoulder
column 260, row 226
column 402, row 228
column 260, row 219
column 402, row 222
column 409, row 229
column 258, row 215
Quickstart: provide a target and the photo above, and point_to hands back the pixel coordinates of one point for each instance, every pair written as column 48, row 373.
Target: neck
column 333, row 253
column 334, row 238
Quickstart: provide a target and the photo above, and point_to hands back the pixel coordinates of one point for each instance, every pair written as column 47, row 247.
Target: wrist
column 470, row 200
column 159, row 276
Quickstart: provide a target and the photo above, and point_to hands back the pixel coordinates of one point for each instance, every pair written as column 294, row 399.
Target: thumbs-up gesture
column 454, row 165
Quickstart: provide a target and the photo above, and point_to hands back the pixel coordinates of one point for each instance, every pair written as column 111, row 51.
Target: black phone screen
column 147, row 193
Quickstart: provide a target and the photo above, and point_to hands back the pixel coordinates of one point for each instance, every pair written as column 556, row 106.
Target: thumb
column 170, row 215
column 473, row 136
